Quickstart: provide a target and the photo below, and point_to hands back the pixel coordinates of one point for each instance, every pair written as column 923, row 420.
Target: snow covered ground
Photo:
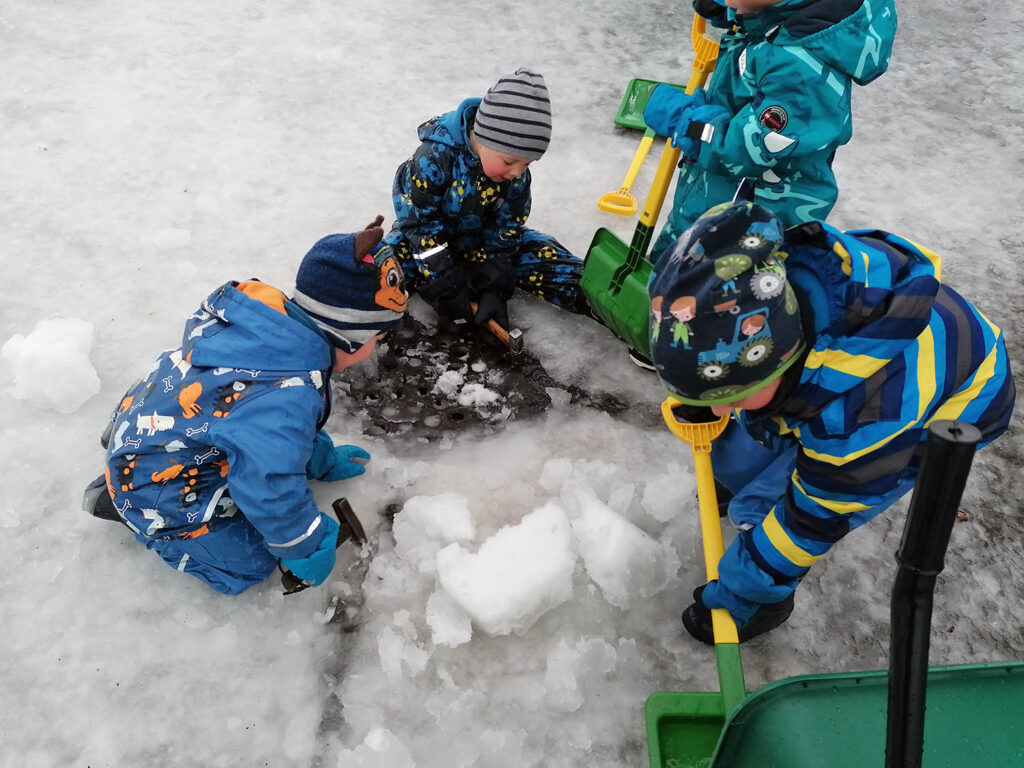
column 154, row 150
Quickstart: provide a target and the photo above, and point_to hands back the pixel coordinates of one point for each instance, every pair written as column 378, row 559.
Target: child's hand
column 713, row 11
column 694, row 414
column 332, row 463
column 666, row 110
column 346, row 464
column 315, row 567
column 448, row 294
column 494, row 282
column 492, row 307
column 696, row 129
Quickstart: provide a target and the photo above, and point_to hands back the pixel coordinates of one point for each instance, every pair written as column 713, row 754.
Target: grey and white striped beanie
column 515, row 116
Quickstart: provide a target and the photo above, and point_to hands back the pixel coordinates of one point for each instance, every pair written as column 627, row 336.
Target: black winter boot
column 639, row 359
column 97, row 502
column 582, row 307
column 697, row 619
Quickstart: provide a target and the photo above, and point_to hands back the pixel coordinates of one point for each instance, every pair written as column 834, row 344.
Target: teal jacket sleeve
column 801, row 109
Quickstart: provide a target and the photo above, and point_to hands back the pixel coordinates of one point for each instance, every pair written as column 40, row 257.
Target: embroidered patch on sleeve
column 774, row 118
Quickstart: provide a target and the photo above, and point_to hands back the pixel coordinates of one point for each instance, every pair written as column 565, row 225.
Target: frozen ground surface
column 526, row 599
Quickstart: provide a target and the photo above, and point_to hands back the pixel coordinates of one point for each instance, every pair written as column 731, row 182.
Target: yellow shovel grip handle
column 699, row 437
column 714, row 545
column 638, row 159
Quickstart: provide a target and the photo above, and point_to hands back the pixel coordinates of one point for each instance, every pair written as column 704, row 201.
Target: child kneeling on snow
column 208, row 459
column 834, row 352
column 466, row 188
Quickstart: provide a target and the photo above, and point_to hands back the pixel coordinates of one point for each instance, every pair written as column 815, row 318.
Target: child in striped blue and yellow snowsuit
column 836, row 353
column 467, row 188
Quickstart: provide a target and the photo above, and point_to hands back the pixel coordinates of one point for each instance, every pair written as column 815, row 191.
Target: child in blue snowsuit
column 209, row 458
column 467, row 188
column 842, row 349
column 776, row 108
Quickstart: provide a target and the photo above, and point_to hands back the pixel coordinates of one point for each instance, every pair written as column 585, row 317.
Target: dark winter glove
column 694, row 414
column 494, row 282
column 708, row 8
column 449, row 293
column 315, row 567
column 666, row 109
column 492, row 307
column 330, row 462
column 714, row 11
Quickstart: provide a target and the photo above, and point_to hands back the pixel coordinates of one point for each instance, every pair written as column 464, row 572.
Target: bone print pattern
column 167, row 467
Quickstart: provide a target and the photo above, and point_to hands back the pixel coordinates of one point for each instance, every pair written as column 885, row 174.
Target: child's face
column 751, row 402
column 500, row 166
column 749, row 6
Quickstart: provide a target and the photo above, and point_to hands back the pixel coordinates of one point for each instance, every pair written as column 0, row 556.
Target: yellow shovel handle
column 638, row 158
column 705, row 54
column 659, row 187
column 714, row 545
column 699, row 437
column 621, row 201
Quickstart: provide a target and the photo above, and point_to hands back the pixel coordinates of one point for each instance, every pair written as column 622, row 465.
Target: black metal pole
column 940, row 484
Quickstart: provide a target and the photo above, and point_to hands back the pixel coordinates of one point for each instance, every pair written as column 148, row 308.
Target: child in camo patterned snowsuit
column 467, row 189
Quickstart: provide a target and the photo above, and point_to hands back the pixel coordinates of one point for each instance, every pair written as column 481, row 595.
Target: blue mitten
column 330, row 462
column 315, row 567
column 666, row 110
column 688, row 139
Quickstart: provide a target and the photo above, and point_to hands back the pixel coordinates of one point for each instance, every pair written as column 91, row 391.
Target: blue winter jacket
column 893, row 350
column 785, row 76
column 226, row 423
column 441, row 195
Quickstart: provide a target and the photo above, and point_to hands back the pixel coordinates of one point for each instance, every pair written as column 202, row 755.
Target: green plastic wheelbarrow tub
column 974, row 717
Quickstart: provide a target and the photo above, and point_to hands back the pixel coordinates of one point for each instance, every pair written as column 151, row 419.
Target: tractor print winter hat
column 724, row 319
column 515, row 116
column 352, row 287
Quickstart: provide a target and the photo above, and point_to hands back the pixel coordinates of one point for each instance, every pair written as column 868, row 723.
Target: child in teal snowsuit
column 777, row 106
column 467, row 189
